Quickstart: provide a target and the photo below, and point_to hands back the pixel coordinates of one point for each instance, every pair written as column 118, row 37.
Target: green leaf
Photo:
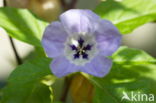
column 128, row 14
column 133, row 71
column 30, row 83
column 58, row 102
column 22, row 25
column 130, row 55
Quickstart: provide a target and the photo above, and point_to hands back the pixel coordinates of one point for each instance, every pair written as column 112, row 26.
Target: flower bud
column 49, row 10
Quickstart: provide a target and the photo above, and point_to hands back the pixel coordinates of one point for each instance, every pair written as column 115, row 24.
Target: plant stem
column 13, row 45
column 63, row 3
column 18, row 59
column 66, row 89
column 67, row 6
column 72, row 4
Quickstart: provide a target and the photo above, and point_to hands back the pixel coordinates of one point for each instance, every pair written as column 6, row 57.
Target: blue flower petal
column 76, row 21
column 108, row 37
column 53, row 39
column 60, row 67
column 99, row 66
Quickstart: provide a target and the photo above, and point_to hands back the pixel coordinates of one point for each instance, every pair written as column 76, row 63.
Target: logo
column 137, row 96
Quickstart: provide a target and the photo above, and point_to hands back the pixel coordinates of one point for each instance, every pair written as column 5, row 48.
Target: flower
column 80, row 41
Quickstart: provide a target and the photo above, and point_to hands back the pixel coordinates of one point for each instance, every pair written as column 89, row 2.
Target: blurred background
column 49, row 10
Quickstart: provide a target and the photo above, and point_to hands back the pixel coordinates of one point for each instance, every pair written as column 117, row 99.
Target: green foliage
column 128, row 14
column 57, row 102
column 133, row 70
column 30, row 83
column 22, row 25
column 130, row 55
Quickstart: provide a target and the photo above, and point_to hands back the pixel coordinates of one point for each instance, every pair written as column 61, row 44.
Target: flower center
column 80, row 48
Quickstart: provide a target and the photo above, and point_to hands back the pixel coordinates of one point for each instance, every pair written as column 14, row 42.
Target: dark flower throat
column 81, row 49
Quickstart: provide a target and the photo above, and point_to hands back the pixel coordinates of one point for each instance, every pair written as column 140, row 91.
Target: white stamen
column 74, row 42
column 83, row 33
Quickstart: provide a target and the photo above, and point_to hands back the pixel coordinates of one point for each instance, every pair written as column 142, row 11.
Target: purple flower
column 81, row 42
